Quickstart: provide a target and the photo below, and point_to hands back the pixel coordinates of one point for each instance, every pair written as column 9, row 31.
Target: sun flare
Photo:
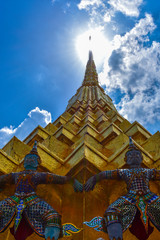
column 98, row 44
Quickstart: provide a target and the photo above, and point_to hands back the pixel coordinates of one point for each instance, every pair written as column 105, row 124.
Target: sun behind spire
column 90, row 91
column 93, row 40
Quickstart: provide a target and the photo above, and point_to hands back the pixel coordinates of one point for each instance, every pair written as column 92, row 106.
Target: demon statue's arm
column 111, row 174
column 6, row 179
column 154, row 174
column 57, row 179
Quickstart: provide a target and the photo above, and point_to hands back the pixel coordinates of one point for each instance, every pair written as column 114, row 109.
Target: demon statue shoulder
column 139, row 206
column 31, row 213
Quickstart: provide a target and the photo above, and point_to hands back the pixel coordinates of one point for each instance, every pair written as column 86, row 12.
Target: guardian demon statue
column 31, row 213
column 138, row 207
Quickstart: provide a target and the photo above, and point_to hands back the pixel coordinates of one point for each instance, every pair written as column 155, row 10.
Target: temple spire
column 90, row 51
column 90, row 91
column 91, row 76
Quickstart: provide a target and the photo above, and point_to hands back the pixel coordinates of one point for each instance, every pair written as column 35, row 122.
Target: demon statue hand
column 31, row 213
column 139, row 206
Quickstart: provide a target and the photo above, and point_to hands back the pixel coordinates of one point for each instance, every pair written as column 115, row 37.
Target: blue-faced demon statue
column 139, row 206
column 30, row 213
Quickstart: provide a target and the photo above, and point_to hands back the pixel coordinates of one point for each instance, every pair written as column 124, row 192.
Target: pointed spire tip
column 90, row 55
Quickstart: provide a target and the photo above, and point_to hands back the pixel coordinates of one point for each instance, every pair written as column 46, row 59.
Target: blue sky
column 40, row 69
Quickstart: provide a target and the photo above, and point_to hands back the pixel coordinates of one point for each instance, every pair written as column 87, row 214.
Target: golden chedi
column 89, row 137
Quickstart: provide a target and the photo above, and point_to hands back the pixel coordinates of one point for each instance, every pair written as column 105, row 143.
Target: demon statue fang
column 137, row 208
column 31, row 213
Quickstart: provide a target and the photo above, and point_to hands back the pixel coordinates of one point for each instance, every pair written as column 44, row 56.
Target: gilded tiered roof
column 90, row 136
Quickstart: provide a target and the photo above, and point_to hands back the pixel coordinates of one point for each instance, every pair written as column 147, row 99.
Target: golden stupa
column 89, row 137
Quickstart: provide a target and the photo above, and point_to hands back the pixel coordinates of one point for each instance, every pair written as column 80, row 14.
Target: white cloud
column 43, row 114
column 35, row 117
column 107, row 17
column 8, row 130
column 127, row 7
column 84, row 4
column 134, row 69
column 143, row 107
column 102, row 11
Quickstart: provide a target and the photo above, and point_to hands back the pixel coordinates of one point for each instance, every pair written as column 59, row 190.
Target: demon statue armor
column 31, row 213
column 135, row 209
